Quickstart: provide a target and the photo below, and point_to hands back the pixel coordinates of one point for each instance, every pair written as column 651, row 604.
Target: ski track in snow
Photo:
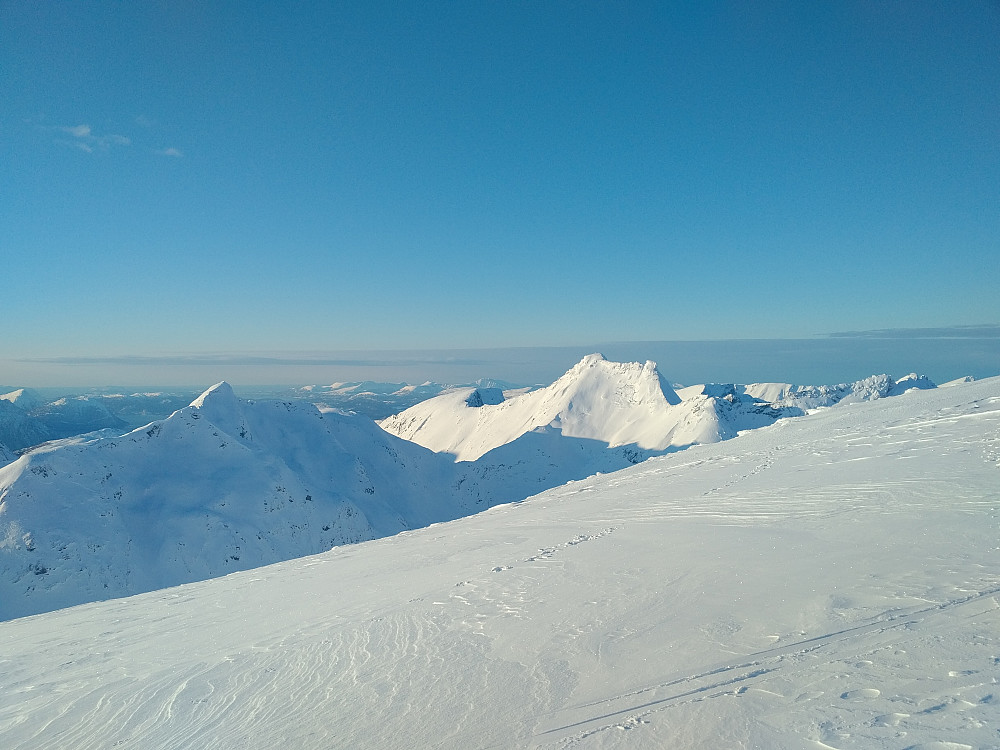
column 828, row 584
column 766, row 674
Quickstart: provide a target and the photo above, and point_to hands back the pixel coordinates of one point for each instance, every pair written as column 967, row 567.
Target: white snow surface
column 612, row 402
column 831, row 581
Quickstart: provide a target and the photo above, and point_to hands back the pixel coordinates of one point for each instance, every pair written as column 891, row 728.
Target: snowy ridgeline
column 227, row 484
column 27, row 418
column 621, row 404
column 830, row 581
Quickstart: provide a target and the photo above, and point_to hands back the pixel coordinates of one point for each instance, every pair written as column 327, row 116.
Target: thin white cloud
column 174, row 152
column 80, row 131
column 87, row 141
column 144, row 121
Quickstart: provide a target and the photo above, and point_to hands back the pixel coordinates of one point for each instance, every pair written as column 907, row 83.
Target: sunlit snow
column 830, row 581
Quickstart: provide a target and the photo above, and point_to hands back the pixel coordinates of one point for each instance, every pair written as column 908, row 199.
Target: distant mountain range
column 619, row 404
column 225, row 484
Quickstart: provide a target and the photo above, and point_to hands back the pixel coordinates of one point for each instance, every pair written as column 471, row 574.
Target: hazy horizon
column 941, row 354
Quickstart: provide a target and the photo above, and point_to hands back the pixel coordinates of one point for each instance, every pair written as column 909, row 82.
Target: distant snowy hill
column 66, row 417
column 831, row 581
column 218, row 486
column 23, row 398
column 615, row 403
column 379, row 400
column 137, row 409
column 27, row 419
column 18, row 429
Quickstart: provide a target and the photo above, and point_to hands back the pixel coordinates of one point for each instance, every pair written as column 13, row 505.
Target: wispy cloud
column 86, row 140
column 174, row 152
column 949, row 332
column 80, row 131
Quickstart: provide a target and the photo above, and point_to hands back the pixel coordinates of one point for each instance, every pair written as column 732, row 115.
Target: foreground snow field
column 830, row 581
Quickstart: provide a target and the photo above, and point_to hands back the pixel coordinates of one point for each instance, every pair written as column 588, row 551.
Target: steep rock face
column 219, row 486
column 484, row 396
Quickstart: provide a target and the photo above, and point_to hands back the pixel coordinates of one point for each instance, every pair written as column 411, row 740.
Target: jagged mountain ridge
column 621, row 404
column 813, row 396
column 615, row 403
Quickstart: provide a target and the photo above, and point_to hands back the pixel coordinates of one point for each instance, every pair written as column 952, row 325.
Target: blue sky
column 182, row 178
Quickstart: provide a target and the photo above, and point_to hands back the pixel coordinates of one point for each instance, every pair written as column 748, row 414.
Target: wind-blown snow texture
column 827, row 582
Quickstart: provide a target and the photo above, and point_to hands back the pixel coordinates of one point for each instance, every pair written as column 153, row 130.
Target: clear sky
column 184, row 178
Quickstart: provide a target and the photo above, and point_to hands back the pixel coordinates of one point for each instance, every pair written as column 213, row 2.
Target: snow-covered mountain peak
column 617, row 403
column 912, row 381
column 23, row 398
column 594, row 377
column 219, row 393
column 590, row 360
column 220, row 406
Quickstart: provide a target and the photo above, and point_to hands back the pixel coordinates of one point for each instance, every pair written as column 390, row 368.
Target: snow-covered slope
column 827, row 582
column 219, row 486
column 616, row 403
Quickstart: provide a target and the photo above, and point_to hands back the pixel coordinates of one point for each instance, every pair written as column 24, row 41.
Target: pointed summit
column 218, row 393
column 220, row 406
